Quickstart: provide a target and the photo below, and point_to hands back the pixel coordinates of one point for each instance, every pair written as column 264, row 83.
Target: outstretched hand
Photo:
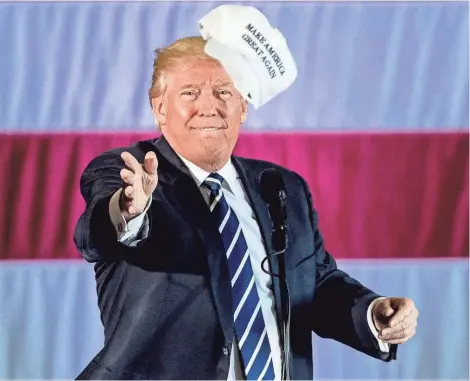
column 141, row 180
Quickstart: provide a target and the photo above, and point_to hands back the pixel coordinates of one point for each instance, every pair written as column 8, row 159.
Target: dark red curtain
column 378, row 195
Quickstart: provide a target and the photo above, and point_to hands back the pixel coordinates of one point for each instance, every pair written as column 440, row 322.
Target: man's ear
column 158, row 110
column 244, row 114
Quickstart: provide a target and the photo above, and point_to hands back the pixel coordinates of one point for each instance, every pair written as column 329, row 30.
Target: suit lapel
column 250, row 180
column 188, row 201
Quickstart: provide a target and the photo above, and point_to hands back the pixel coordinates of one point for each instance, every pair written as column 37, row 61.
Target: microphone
column 273, row 193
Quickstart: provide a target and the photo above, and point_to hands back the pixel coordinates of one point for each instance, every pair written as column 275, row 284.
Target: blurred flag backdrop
column 377, row 123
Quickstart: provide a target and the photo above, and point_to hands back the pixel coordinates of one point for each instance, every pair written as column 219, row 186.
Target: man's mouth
column 208, row 128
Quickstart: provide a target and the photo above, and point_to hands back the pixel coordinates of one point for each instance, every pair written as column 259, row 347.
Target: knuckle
column 409, row 332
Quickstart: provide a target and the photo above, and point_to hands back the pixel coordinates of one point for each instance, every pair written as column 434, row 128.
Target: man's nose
column 207, row 105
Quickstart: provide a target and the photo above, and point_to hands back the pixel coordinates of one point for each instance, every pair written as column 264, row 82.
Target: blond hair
column 175, row 55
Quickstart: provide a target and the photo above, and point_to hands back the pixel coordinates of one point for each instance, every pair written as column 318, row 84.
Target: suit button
column 225, row 351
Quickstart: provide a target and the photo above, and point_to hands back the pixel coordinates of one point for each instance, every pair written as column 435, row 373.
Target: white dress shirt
column 238, row 200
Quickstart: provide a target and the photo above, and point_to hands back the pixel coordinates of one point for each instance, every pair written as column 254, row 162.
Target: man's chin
column 213, row 145
column 215, row 152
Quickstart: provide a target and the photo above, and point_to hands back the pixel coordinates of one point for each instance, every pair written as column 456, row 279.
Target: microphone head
column 271, row 184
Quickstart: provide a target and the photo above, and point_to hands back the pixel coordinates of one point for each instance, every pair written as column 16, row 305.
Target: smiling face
column 199, row 112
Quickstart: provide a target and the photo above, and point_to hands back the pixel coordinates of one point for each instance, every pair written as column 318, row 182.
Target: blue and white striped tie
column 250, row 328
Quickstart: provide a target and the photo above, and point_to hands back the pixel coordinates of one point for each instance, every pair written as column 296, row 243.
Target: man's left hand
column 395, row 319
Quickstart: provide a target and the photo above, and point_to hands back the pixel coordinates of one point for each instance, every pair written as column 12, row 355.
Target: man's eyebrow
column 224, row 83
column 191, row 85
column 201, row 84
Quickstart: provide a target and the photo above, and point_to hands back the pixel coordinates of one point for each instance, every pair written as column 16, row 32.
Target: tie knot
column 214, row 182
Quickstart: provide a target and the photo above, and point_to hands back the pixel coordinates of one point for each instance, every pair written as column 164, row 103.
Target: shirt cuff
column 125, row 230
column 384, row 347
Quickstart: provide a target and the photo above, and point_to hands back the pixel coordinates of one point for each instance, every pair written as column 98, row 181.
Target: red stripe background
column 378, row 195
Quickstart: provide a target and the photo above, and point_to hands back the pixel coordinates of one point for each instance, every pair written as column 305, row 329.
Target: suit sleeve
column 95, row 235
column 340, row 303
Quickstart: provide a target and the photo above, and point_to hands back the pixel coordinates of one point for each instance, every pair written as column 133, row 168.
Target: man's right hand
column 142, row 181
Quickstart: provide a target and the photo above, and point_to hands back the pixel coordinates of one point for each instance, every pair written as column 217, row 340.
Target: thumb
column 382, row 312
column 387, row 311
column 151, row 163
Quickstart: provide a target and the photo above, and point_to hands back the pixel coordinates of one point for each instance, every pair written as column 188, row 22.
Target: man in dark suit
column 177, row 230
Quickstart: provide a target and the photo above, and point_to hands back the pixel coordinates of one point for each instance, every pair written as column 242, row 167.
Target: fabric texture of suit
column 166, row 302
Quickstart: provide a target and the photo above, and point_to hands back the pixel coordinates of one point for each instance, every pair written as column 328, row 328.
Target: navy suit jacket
column 166, row 303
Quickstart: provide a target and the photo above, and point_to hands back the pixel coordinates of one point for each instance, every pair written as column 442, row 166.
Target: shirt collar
column 228, row 172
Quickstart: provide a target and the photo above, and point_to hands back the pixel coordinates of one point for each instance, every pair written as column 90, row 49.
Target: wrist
column 124, row 207
column 123, row 199
column 375, row 321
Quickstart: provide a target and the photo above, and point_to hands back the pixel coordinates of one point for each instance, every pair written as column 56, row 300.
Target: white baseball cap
column 254, row 54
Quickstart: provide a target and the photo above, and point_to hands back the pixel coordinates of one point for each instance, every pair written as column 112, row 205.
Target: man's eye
column 190, row 93
column 224, row 93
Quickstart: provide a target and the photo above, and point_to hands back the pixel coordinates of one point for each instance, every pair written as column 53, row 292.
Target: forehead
column 198, row 74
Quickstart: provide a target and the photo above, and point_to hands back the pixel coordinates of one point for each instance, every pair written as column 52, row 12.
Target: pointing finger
column 131, row 162
column 127, row 176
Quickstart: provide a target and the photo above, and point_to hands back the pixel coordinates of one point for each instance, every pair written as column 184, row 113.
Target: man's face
column 200, row 113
